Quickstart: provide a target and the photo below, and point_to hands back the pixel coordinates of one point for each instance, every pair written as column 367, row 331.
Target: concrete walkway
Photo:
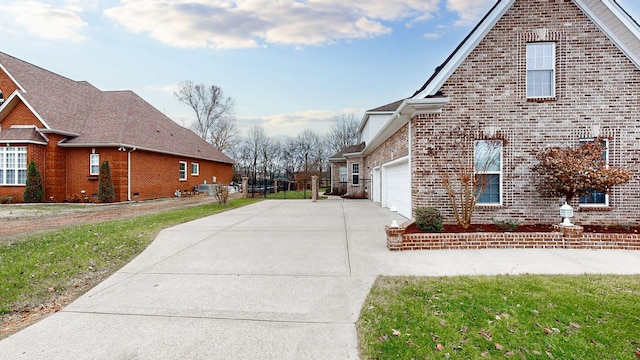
column 274, row 280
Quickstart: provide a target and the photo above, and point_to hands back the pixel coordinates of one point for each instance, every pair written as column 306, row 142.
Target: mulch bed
column 413, row 229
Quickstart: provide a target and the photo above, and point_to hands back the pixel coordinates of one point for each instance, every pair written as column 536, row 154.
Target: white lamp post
column 566, row 212
column 394, row 216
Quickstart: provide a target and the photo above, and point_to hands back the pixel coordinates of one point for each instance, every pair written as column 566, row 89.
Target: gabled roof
column 388, row 107
column 348, row 150
column 608, row 15
column 92, row 118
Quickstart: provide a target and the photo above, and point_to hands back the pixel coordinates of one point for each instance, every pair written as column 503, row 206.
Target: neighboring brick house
column 345, row 172
column 70, row 127
column 532, row 74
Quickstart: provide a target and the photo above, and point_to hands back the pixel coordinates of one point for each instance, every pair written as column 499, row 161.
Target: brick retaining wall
column 398, row 240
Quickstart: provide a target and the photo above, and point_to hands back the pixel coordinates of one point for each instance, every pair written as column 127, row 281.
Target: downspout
column 129, row 173
column 410, row 168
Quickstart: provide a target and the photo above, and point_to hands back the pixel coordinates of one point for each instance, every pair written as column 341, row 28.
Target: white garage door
column 396, row 187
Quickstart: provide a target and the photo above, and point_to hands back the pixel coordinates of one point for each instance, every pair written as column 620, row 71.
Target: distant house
column 532, row 74
column 70, row 127
column 345, row 178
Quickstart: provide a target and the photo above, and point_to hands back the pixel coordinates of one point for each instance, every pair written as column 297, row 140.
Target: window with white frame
column 541, row 68
column 487, row 162
column 183, row 170
column 195, row 169
column 94, row 164
column 355, row 174
column 343, row 174
column 595, row 197
column 13, row 165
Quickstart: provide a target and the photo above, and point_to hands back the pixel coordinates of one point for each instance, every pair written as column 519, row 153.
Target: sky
column 289, row 65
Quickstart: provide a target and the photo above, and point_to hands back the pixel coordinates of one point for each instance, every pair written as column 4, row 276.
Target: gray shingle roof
column 108, row 118
column 22, row 134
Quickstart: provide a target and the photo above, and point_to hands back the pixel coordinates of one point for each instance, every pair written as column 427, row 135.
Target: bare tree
column 463, row 158
column 309, row 150
column 255, row 143
column 214, row 113
column 344, row 132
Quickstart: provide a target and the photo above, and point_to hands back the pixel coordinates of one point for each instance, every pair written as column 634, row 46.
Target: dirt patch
column 25, row 219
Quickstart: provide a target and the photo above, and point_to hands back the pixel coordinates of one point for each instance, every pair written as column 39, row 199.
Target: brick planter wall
column 398, row 240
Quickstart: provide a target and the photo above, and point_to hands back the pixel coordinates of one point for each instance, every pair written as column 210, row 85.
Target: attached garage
column 396, row 186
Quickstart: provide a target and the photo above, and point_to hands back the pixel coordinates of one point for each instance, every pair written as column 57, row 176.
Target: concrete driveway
column 274, row 280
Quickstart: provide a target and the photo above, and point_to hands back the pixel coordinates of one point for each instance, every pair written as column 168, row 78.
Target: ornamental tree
column 571, row 172
column 33, row 190
column 105, row 184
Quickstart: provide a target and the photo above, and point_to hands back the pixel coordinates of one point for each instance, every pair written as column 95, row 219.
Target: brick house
column 532, row 74
column 70, row 127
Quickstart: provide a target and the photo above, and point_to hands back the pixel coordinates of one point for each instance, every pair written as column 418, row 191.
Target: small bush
column 34, row 190
column 509, row 225
column 7, row 199
column 429, row 219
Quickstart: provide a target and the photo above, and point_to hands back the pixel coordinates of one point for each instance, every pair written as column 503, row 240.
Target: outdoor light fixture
column 394, row 216
column 566, row 212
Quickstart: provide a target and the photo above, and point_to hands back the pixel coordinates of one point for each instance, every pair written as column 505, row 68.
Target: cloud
column 291, row 124
column 469, row 11
column 44, row 20
column 253, row 23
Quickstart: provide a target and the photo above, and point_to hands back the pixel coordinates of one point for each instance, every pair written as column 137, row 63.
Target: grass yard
column 294, row 195
column 503, row 317
column 35, row 268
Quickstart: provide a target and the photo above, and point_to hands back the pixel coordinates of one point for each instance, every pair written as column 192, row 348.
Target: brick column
column 395, row 235
column 314, row 188
column 245, row 187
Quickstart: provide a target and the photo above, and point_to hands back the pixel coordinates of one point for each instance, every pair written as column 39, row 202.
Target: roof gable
column 608, row 16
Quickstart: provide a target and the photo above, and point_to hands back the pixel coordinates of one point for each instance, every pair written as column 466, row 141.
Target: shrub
column 33, row 190
column 429, row 219
column 105, row 184
column 509, row 225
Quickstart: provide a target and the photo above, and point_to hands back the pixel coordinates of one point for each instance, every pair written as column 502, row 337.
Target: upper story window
column 13, row 165
column 1, row 97
column 541, row 68
column 487, row 163
column 182, row 170
column 94, row 164
column 355, row 173
column 595, row 197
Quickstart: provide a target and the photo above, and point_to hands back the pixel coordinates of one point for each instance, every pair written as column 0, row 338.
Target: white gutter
column 409, row 109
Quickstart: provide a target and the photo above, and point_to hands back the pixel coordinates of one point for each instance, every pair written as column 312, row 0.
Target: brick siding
column 596, row 84
column 397, row 240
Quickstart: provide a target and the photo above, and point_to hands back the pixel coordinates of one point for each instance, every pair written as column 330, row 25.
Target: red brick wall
column 596, row 84
column 6, row 85
column 20, row 115
column 157, row 175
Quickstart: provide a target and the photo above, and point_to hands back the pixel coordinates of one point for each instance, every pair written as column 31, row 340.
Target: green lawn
column 294, row 195
column 503, row 317
column 35, row 268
